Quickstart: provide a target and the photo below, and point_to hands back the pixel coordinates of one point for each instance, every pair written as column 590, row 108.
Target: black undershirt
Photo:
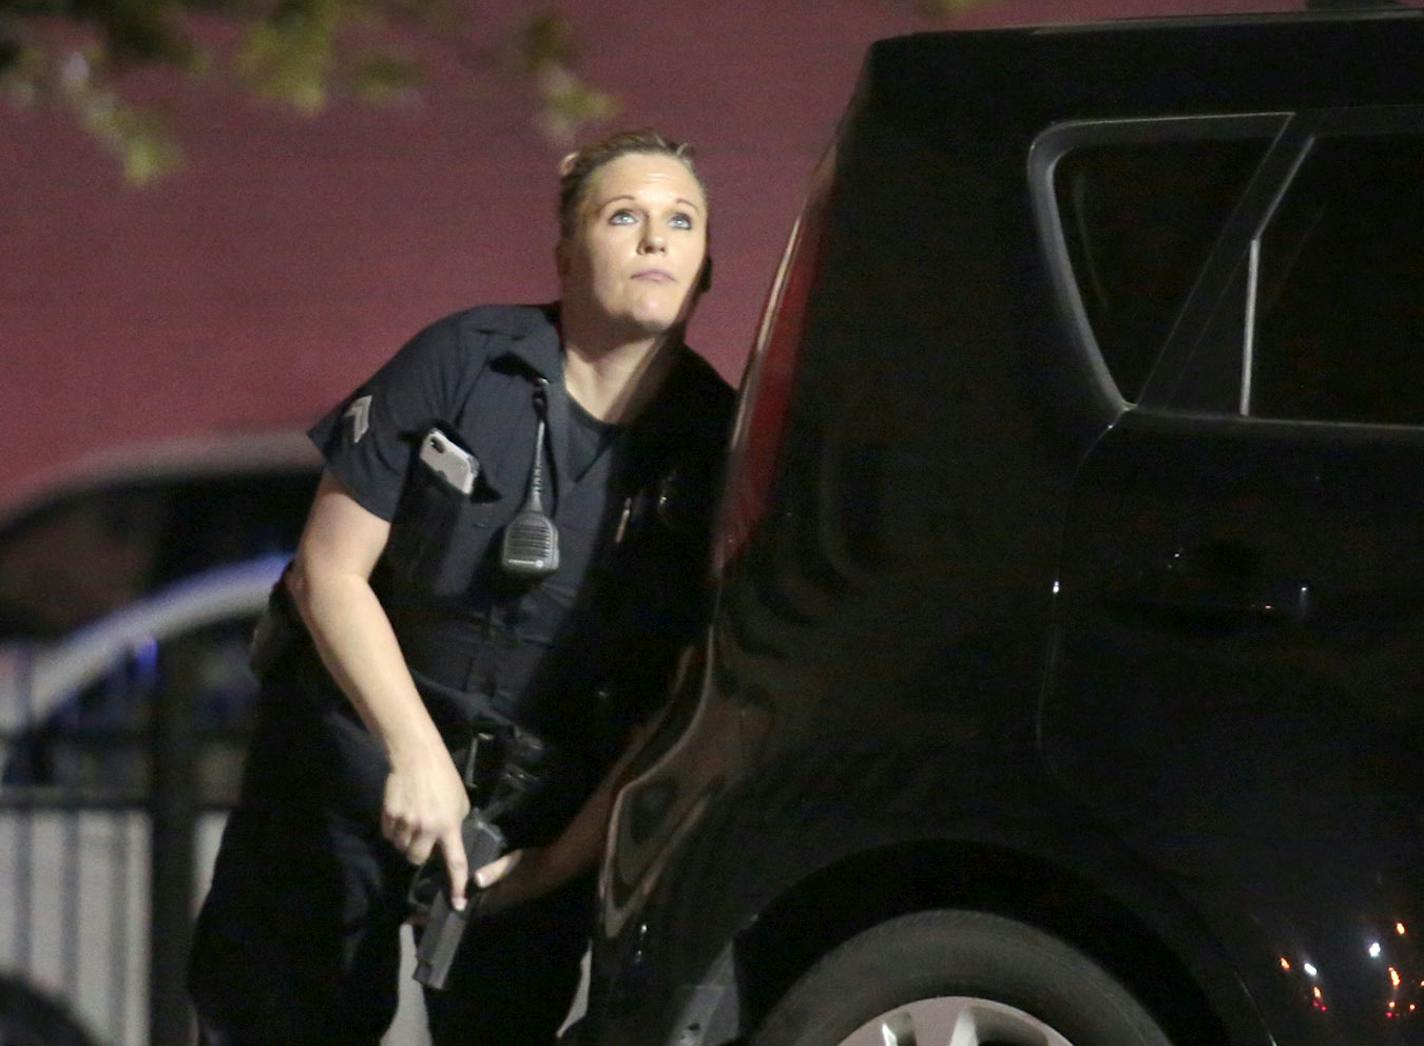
column 588, row 438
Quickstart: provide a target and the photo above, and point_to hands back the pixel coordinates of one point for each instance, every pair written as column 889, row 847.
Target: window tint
column 80, row 557
column 1339, row 332
column 76, row 559
column 1139, row 220
column 1210, row 382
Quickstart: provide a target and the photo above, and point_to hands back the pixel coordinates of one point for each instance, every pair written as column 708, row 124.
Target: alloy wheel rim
column 957, row 1020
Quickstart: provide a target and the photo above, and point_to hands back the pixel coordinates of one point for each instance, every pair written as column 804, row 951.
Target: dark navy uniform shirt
column 583, row 653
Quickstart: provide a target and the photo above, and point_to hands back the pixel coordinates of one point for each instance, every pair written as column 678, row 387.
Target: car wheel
column 28, row 1018
column 957, row 978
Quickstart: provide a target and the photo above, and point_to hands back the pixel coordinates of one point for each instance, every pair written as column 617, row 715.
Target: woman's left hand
column 518, row 876
column 522, row 875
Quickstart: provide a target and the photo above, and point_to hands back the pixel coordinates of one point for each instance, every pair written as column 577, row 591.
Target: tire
column 959, row 978
column 28, row 1018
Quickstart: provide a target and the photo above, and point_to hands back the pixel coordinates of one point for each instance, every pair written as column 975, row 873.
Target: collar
column 533, row 338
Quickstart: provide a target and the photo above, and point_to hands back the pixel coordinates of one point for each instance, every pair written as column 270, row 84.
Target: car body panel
column 914, row 692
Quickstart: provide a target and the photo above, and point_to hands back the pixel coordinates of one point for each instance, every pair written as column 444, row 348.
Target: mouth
column 655, row 276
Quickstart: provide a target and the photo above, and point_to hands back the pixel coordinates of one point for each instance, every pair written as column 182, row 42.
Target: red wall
column 291, row 256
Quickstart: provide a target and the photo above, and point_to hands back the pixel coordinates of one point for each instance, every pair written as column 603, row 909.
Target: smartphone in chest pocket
column 452, row 463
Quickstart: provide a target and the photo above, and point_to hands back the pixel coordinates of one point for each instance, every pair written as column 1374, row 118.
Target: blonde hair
column 578, row 167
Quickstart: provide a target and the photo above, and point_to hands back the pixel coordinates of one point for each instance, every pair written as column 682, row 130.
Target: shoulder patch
column 360, row 414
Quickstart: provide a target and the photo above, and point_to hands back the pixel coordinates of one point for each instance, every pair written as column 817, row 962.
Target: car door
column 1239, row 640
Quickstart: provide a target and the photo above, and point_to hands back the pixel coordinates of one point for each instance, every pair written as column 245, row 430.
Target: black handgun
column 518, row 756
column 444, row 926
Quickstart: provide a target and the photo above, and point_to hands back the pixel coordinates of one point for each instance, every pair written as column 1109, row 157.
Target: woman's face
column 638, row 244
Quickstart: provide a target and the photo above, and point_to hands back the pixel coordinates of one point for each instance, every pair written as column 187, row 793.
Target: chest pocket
column 440, row 535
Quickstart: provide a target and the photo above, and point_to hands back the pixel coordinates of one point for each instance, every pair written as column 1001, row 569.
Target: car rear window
column 1339, row 332
column 1139, row 220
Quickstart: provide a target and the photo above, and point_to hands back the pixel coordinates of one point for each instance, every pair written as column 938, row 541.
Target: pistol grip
column 444, row 927
column 439, row 942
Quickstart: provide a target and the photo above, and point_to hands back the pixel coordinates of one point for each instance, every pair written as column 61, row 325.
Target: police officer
column 428, row 596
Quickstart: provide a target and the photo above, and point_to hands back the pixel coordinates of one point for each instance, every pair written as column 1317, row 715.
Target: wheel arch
column 813, row 916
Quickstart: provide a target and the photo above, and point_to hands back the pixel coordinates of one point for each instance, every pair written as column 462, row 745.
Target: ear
column 704, row 278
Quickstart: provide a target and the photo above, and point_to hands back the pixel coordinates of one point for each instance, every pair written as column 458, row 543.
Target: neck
column 613, row 375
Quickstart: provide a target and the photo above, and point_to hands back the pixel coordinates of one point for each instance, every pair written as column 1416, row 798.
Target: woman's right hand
column 423, row 806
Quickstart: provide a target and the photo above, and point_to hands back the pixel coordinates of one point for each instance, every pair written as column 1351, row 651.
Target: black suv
column 1066, row 682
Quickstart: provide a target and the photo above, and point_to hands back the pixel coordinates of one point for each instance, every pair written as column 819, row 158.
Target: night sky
column 292, row 256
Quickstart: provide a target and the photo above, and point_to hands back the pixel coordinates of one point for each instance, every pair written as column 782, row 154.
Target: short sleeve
column 368, row 439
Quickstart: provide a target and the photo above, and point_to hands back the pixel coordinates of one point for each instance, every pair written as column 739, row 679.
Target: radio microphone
column 530, row 548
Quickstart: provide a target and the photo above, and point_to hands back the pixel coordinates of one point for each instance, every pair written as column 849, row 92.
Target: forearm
column 580, row 845
column 358, row 646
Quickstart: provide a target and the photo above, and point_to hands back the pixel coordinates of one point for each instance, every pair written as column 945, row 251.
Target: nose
column 652, row 242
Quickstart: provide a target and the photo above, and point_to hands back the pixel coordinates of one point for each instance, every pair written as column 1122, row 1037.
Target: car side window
column 81, row 557
column 1339, row 317
column 1139, row 220
column 84, row 555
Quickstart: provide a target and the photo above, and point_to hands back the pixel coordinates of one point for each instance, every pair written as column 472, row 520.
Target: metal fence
column 120, row 753
column 112, row 797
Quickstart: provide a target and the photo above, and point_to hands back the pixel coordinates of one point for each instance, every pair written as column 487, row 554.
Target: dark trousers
column 298, row 940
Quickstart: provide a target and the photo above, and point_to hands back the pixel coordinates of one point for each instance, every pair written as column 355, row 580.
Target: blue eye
column 681, row 221
column 622, row 217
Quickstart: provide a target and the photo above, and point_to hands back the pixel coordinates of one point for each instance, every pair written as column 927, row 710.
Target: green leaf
column 545, row 39
column 149, row 154
column 949, row 8
column 383, row 79
column 22, row 75
column 138, row 136
column 568, row 103
column 300, row 53
column 288, row 57
column 142, row 33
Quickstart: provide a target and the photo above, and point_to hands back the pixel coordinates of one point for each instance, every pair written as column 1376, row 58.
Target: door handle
column 1284, row 602
column 1219, row 588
